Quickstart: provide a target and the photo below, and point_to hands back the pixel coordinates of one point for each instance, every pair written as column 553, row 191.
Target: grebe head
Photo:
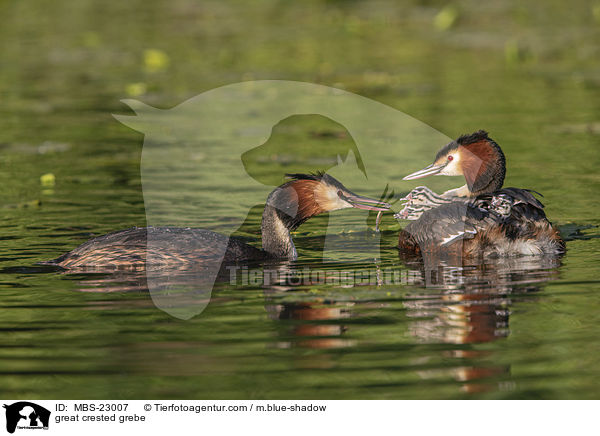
column 307, row 195
column 477, row 157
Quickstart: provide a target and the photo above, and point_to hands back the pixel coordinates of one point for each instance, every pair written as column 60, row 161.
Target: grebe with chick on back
column 488, row 220
column 286, row 208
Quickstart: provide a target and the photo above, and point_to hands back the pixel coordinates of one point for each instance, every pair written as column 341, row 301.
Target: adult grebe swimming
column 287, row 207
column 482, row 216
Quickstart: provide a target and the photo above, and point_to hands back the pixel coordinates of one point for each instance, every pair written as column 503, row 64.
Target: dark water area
column 518, row 328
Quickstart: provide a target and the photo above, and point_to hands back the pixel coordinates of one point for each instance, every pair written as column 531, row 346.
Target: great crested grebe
column 485, row 218
column 287, row 207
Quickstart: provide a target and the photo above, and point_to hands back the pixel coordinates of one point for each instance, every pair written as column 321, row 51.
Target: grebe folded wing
column 509, row 222
column 170, row 246
column 448, row 223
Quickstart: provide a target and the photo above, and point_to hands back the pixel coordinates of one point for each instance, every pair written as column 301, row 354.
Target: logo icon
column 26, row 415
column 192, row 170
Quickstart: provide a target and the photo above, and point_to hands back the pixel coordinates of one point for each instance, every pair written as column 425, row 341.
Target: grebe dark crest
column 287, row 207
column 480, row 218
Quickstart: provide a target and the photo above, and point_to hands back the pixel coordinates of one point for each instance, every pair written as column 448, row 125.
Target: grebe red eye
column 340, row 194
column 450, row 157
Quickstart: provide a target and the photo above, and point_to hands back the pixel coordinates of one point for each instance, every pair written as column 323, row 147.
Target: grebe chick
column 485, row 218
column 287, row 207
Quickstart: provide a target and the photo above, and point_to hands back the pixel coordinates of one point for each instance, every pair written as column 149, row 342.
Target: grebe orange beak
column 360, row 202
column 430, row 170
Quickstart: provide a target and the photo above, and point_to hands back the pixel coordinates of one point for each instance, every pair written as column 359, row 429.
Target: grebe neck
column 484, row 167
column 276, row 236
column 287, row 207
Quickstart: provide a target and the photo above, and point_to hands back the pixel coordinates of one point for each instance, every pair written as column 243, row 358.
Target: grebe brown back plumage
column 480, row 218
column 287, row 207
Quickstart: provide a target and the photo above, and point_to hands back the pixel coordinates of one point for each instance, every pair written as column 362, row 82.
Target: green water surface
column 529, row 73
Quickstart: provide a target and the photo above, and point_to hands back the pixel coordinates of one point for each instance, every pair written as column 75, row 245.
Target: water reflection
column 445, row 304
column 469, row 305
column 330, row 307
column 310, row 324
